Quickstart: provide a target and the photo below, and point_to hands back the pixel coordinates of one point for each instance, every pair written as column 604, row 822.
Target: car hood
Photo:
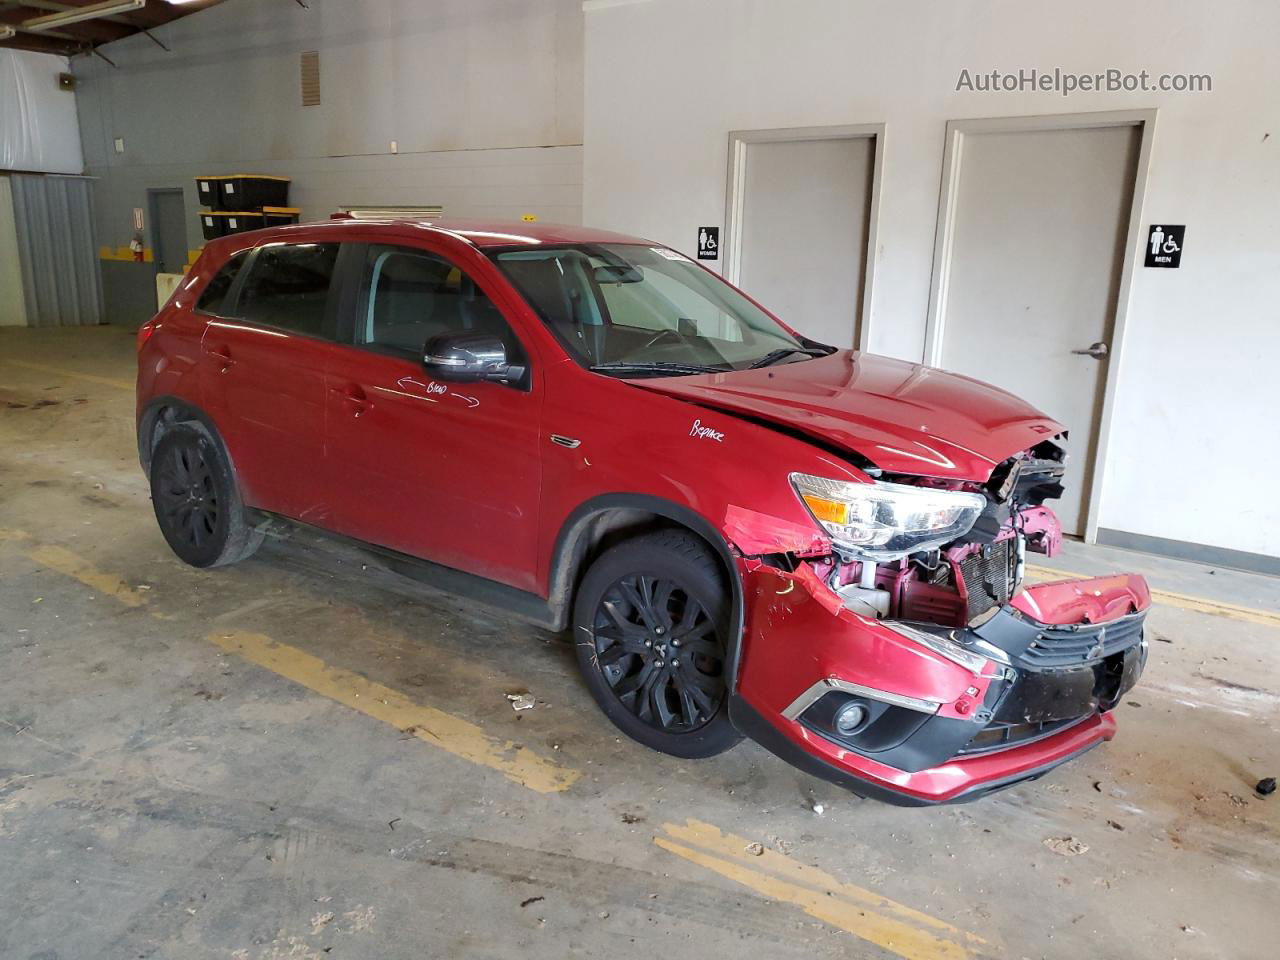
column 904, row 417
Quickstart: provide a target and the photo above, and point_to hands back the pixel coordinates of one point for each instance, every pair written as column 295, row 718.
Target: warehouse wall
column 483, row 96
column 1193, row 456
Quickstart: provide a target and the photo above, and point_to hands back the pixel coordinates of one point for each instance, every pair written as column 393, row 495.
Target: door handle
column 1096, row 350
column 355, row 397
column 223, row 357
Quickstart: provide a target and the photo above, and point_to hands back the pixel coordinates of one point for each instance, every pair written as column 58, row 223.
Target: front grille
column 988, row 576
column 1085, row 643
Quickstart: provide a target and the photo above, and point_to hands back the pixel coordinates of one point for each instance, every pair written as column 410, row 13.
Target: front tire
column 651, row 630
column 196, row 501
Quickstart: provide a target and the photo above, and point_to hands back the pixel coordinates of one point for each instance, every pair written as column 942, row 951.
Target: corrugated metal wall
column 59, row 253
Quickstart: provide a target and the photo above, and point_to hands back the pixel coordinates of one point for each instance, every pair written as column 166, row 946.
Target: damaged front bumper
column 941, row 714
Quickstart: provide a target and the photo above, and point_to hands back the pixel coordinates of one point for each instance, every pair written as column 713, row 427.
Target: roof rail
column 429, row 212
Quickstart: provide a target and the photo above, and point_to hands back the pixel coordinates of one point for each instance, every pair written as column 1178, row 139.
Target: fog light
column 850, row 718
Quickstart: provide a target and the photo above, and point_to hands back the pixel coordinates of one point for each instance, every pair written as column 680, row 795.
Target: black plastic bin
column 213, row 224
column 238, row 221
column 209, row 192
column 252, row 191
column 280, row 216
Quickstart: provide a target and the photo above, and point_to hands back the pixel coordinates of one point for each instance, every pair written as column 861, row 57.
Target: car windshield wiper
column 657, row 367
column 773, row 356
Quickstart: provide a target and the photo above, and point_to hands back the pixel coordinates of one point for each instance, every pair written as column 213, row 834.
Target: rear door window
column 288, row 287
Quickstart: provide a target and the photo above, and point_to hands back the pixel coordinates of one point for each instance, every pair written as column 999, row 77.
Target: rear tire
column 651, row 629
column 196, row 500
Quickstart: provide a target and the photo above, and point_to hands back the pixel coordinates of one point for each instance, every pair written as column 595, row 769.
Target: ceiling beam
column 91, row 31
column 82, row 36
column 124, row 19
column 86, row 32
column 157, row 13
column 45, row 44
column 81, row 14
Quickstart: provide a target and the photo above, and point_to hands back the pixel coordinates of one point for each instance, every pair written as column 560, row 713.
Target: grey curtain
column 59, row 255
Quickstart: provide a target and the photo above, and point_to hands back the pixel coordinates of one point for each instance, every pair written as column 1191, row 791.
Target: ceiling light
column 89, row 12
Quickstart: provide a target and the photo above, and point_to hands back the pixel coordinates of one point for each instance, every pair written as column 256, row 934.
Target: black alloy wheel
column 657, row 649
column 196, row 500
column 186, row 499
column 651, row 630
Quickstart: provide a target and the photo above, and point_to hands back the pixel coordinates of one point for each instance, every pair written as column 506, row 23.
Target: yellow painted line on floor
column 864, row 913
column 77, row 567
column 70, row 564
column 453, row 734
column 59, row 371
column 1170, row 599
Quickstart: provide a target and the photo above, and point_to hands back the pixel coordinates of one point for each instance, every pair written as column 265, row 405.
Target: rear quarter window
column 215, row 292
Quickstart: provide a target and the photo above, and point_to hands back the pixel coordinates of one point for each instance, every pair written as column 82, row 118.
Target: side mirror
column 468, row 357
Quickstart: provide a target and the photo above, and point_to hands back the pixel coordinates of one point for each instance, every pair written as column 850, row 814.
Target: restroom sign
column 1164, row 245
column 708, row 243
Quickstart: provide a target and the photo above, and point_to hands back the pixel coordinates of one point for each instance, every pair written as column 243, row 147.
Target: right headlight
column 886, row 521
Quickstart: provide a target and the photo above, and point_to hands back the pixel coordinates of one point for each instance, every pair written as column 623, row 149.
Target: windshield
column 635, row 310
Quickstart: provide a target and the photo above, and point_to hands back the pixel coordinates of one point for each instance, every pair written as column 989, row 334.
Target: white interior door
column 1037, row 235
column 805, row 220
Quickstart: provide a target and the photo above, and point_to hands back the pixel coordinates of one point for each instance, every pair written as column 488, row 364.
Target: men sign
column 1164, row 245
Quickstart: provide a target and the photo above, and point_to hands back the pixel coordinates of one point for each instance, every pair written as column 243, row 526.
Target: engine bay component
column 925, row 550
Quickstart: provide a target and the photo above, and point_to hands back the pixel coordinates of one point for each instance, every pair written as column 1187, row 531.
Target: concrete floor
column 305, row 757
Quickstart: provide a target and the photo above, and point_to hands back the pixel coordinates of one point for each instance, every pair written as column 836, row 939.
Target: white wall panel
column 38, row 128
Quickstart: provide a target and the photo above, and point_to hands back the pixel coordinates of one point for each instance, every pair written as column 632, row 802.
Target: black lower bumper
column 751, row 723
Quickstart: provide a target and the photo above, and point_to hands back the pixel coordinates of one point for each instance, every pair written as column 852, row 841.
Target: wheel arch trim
column 571, row 543
column 185, row 410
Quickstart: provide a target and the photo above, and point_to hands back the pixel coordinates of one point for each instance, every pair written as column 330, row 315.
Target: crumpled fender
column 755, row 533
column 798, row 631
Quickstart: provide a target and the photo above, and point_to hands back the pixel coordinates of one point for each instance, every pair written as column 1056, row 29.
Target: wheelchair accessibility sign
column 708, row 243
column 1164, row 246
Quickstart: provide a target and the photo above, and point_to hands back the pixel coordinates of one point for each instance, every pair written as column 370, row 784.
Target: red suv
column 748, row 532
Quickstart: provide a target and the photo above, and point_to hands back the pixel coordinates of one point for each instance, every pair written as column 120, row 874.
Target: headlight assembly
column 886, row 521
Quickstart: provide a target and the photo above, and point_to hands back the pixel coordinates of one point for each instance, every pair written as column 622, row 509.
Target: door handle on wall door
column 1096, row 350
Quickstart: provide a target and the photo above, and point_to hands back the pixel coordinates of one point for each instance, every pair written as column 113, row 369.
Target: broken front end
column 908, row 660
